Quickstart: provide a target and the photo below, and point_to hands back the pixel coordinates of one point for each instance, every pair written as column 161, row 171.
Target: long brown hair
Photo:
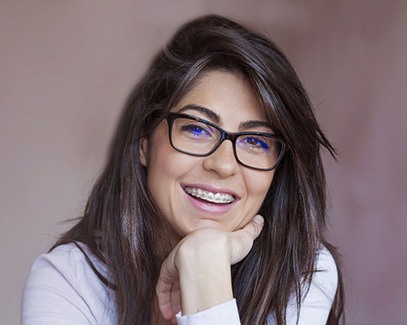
column 121, row 222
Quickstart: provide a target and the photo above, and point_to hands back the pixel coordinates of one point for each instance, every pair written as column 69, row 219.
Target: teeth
column 210, row 196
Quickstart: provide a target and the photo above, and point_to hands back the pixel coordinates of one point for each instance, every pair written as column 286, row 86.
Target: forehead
column 227, row 94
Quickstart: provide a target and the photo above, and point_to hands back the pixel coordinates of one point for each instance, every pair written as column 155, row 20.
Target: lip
column 210, row 207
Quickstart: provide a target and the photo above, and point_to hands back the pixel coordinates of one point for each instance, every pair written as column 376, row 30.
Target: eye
column 255, row 143
column 198, row 131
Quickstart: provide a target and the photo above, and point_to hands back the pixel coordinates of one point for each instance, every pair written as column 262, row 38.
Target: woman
column 211, row 209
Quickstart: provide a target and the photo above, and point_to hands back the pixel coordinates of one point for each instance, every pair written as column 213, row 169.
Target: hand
column 198, row 268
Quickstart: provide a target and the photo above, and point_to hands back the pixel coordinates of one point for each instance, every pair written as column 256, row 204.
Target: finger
column 242, row 240
column 254, row 227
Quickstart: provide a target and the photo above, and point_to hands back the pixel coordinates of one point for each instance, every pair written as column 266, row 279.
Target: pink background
column 66, row 68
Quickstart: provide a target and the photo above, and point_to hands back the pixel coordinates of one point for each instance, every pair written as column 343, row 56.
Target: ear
column 144, row 151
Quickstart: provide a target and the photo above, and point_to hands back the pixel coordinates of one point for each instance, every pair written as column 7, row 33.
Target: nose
column 222, row 161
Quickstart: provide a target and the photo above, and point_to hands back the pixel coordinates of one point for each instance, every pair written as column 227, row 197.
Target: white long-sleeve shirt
column 62, row 289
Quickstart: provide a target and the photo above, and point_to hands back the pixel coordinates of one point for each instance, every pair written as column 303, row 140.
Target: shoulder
column 59, row 256
column 69, row 261
column 62, row 284
column 68, row 254
column 317, row 296
column 325, row 278
column 64, row 260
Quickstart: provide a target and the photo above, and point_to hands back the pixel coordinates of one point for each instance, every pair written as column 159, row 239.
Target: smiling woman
column 185, row 185
column 211, row 208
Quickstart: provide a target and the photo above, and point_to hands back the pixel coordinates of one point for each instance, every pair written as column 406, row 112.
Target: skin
column 209, row 237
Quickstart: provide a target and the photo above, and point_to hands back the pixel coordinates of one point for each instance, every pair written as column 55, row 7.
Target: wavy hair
column 121, row 222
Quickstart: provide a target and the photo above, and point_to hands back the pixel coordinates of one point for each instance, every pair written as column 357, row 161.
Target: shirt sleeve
column 222, row 314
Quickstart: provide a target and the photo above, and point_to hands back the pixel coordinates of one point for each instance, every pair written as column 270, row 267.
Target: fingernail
column 258, row 219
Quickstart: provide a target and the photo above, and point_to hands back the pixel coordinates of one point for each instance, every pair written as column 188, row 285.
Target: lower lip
column 210, row 207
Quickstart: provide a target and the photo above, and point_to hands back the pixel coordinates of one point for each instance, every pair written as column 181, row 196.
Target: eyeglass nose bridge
column 226, row 136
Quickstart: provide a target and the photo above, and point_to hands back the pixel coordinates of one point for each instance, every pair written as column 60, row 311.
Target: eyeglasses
column 198, row 137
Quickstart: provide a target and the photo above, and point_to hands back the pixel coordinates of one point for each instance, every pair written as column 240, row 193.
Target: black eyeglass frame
column 225, row 135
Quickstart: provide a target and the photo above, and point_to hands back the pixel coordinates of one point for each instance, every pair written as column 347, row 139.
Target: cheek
column 167, row 164
column 165, row 168
column 258, row 185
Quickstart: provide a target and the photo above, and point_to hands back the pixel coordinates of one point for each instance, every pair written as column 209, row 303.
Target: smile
column 219, row 198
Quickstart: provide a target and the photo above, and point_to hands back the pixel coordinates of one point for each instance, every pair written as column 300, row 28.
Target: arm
column 201, row 262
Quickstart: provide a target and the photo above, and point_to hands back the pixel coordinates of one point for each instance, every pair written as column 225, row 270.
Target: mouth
column 210, row 197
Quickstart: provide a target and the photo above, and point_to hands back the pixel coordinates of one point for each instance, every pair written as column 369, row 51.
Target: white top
column 62, row 289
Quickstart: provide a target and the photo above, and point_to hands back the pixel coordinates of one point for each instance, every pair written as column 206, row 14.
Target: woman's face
column 173, row 177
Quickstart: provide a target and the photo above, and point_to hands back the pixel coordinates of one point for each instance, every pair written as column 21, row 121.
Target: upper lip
column 213, row 189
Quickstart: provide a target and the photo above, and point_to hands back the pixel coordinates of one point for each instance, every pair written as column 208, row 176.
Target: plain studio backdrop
column 67, row 66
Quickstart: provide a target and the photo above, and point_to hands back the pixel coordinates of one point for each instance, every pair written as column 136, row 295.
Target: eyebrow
column 205, row 111
column 215, row 118
column 253, row 124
